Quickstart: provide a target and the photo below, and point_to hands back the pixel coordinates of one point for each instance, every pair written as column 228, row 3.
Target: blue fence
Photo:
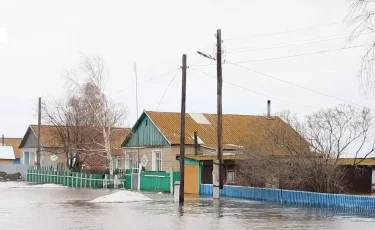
column 355, row 202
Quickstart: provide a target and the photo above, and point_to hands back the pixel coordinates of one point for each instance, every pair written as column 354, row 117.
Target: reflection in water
column 180, row 209
column 66, row 208
column 218, row 208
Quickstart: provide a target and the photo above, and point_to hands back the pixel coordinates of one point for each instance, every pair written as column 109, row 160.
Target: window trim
column 154, row 160
column 234, row 176
column 23, row 157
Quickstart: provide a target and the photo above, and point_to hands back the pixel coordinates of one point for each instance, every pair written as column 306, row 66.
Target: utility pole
column 217, row 172
column 219, row 108
column 39, row 124
column 182, row 135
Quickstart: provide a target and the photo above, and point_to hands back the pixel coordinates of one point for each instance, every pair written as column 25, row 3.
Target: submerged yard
column 57, row 207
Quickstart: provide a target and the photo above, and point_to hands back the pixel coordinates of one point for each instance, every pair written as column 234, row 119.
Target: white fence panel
column 10, row 169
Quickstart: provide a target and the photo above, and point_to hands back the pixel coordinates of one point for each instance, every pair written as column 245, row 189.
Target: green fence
column 158, row 180
column 128, row 179
column 75, row 179
column 150, row 180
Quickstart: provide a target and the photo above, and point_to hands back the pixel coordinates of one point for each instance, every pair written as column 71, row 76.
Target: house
column 53, row 151
column 157, row 134
column 9, row 151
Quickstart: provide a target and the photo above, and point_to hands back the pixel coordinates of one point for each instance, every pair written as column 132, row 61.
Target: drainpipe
column 2, row 140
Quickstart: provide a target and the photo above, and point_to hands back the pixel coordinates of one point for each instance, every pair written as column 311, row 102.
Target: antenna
column 136, row 104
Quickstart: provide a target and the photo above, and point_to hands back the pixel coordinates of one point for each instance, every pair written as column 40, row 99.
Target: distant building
column 53, row 151
column 9, row 150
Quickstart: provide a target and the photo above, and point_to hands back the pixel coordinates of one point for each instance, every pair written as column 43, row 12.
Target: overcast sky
column 39, row 39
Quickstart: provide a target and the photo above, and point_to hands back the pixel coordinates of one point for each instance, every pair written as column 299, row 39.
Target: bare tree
column 87, row 120
column 362, row 17
column 305, row 156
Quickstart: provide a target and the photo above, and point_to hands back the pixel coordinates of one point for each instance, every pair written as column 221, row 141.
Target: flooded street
column 28, row 207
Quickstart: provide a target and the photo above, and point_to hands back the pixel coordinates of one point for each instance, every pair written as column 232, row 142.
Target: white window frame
column 134, row 159
column 115, row 163
column 23, row 157
column 234, row 176
column 154, row 160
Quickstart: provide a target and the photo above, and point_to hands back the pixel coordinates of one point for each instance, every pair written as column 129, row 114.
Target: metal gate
column 135, row 177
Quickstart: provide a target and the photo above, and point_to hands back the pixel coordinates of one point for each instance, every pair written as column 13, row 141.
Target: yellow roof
column 237, row 129
column 211, row 157
column 356, row 161
column 341, row 161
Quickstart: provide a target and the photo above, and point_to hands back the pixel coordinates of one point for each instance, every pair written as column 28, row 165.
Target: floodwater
column 28, row 207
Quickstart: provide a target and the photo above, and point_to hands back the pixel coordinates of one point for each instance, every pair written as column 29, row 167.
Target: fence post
column 139, row 176
column 90, row 179
column 171, row 179
column 81, row 181
column 105, row 181
column 72, row 185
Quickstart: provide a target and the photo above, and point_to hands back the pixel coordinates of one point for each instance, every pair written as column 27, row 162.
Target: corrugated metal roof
column 356, row 161
column 6, row 153
column 341, row 161
column 211, row 157
column 50, row 136
column 237, row 129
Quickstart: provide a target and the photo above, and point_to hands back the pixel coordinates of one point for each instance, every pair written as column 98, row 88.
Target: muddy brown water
column 27, row 207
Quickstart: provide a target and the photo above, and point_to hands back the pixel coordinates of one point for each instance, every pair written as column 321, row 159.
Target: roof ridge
column 117, row 127
column 224, row 114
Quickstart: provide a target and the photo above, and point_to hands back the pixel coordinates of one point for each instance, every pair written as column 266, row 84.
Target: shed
column 7, row 155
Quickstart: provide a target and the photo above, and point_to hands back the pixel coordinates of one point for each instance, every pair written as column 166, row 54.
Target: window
column 41, row 158
column 72, row 158
column 115, row 163
column 230, row 177
column 156, row 160
column 131, row 159
column 26, row 157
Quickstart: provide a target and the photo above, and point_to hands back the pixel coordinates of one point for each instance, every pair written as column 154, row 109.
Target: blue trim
column 356, row 202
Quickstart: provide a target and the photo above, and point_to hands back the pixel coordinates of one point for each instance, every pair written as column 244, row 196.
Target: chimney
column 268, row 108
column 2, row 140
column 195, row 143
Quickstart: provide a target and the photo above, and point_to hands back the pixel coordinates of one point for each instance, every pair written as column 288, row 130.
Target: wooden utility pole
column 219, row 108
column 182, row 140
column 39, row 124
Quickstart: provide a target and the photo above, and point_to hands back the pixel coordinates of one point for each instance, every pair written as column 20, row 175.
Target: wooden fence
column 76, row 179
column 352, row 202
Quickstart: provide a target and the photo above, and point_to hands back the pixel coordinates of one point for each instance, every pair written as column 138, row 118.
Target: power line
column 168, row 88
column 284, row 32
column 296, row 85
column 281, row 45
column 255, row 92
column 161, row 75
column 291, row 56
column 303, row 54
